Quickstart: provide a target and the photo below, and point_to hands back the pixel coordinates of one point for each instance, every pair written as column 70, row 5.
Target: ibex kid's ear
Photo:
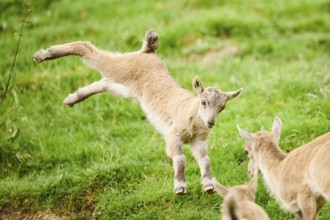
column 233, row 94
column 277, row 128
column 220, row 189
column 246, row 135
column 198, row 85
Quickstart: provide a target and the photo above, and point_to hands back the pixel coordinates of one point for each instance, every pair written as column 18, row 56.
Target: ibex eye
column 246, row 152
column 203, row 102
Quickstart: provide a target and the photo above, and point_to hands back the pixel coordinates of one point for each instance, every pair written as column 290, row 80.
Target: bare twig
column 14, row 61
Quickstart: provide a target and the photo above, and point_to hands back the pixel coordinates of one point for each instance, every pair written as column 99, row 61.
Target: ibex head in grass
column 252, row 144
column 299, row 180
column 212, row 101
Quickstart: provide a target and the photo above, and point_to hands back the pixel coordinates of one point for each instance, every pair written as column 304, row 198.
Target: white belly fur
column 160, row 125
column 121, row 90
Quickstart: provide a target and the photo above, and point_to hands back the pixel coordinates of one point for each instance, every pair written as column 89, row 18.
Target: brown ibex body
column 299, row 180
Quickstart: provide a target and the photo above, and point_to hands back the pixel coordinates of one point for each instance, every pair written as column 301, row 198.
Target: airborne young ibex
column 176, row 113
column 238, row 203
column 299, row 180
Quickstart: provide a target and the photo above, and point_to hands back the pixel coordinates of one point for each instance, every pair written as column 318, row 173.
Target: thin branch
column 14, row 62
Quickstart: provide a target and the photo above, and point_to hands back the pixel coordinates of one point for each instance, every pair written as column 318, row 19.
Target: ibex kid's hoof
column 180, row 191
column 209, row 188
column 40, row 56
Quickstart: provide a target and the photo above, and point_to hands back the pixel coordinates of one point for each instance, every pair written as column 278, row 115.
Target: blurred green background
column 102, row 159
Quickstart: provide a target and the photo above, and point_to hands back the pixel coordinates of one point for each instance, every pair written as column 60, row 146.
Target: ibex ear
column 198, row 85
column 220, row 189
column 277, row 128
column 233, row 94
column 246, row 135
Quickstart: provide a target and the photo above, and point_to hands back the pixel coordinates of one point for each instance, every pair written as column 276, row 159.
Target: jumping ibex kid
column 177, row 114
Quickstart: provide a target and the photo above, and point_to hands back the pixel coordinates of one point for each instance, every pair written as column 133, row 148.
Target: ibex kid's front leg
column 199, row 151
column 307, row 204
column 174, row 150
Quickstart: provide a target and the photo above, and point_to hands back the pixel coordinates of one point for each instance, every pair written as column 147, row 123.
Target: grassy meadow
column 102, row 158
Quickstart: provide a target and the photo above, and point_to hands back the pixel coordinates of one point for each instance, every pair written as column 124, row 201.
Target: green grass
column 102, row 158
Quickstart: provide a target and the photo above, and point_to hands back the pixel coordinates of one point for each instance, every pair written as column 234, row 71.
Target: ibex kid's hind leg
column 199, row 151
column 84, row 92
column 79, row 48
column 103, row 85
column 88, row 51
column 174, row 150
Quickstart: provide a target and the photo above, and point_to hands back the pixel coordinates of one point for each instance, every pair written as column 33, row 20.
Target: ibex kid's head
column 244, row 192
column 253, row 143
column 211, row 101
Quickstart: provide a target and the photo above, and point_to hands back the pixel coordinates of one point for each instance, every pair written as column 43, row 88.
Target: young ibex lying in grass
column 238, row 201
column 178, row 115
column 300, row 180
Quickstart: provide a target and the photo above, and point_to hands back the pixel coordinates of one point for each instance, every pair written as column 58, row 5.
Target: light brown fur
column 299, row 180
column 239, row 203
column 175, row 112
